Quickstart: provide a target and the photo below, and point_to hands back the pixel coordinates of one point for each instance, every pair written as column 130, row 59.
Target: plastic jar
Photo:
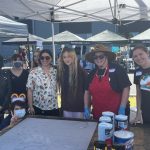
column 104, row 131
column 121, row 122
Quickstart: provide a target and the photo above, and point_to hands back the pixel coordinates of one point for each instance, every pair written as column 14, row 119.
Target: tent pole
column 52, row 25
column 53, row 44
column 29, row 55
column 81, row 52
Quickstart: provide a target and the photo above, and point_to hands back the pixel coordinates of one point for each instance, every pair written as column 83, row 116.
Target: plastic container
column 104, row 131
column 121, row 122
column 123, row 136
column 105, row 119
column 109, row 114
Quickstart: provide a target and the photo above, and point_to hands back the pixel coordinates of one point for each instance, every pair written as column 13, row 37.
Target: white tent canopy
column 77, row 10
column 112, row 11
column 142, row 36
column 10, row 28
column 65, row 36
column 106, row 36
column 31, row 39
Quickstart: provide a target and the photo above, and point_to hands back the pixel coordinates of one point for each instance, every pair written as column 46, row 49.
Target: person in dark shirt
column 71, row 81
column 108, row 85
column 141, row 57
column 5, row 90
column 18, row 77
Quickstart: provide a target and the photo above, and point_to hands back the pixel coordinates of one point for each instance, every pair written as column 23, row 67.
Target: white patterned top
column 43, row 86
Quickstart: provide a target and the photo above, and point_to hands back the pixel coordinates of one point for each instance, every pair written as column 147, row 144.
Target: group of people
column 105, row 88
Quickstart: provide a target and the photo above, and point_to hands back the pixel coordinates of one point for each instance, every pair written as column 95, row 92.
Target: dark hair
column 15, row 56
column 17, row 103
column 140, row 46
column 45, row 51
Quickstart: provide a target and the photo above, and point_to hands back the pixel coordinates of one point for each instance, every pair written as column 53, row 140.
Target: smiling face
column 45, row 59
column 67, row 58
column 100, row 59
column 141, row 57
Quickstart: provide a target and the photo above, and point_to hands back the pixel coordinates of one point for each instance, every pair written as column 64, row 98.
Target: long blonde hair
column 73, row 70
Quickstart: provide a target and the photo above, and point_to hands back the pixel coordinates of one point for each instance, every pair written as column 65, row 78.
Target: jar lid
column 123, row 134
column 105, row 125
column 121, row 117
column 107, row 113
column 104, row 119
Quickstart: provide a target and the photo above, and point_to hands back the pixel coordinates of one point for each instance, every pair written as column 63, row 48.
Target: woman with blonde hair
column 71, row 82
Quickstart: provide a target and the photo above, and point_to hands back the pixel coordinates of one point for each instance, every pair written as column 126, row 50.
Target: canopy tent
column 142, row 36
column 31, row 40
column 10, row 28
column 112, row 11
column 77, row 10
column 65, row 37
column 106, row 36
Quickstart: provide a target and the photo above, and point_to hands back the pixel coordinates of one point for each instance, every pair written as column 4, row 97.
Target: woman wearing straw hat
column 107, row 86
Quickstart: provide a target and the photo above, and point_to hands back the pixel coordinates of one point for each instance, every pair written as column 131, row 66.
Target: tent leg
column 53, row 44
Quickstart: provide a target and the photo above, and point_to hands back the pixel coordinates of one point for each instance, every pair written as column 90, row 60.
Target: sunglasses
column 45, row 57
column 99, row 56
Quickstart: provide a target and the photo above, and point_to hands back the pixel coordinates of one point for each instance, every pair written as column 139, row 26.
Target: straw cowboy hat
column 100, row 48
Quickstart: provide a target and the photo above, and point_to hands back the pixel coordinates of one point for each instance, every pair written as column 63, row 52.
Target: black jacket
column 5, row 89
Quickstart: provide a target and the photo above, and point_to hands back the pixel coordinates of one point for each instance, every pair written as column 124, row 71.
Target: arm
column 8, row 94
column 87, row 104
column 125, row 96
column 124, row 100
column 87, row 99
column 30, row 101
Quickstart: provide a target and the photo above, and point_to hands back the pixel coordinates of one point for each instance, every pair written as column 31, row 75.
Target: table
column 38, row 133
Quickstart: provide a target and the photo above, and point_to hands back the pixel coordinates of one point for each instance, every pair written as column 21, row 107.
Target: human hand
column 13, row 121
column 121, row 110
column 31, row 110
column 86, row 113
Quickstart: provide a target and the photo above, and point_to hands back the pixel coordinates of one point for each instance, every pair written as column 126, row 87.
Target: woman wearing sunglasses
column 107, row 86
column 42, row 97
